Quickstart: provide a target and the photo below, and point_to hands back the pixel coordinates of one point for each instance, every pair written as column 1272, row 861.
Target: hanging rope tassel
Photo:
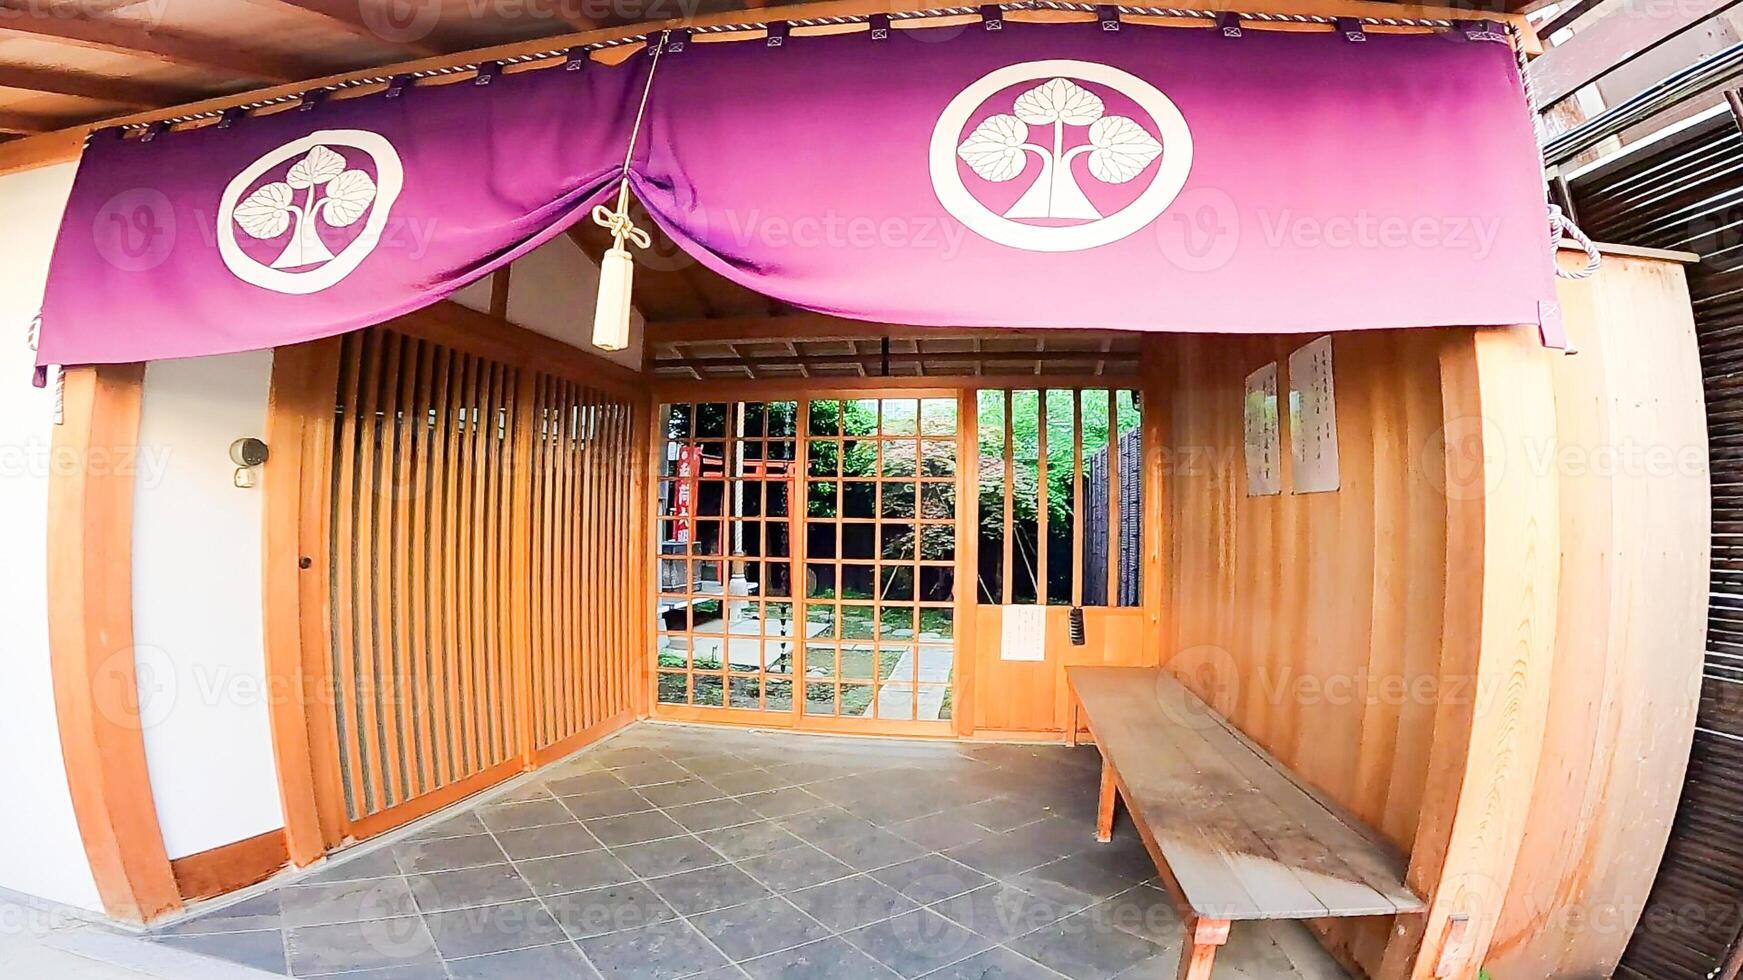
column 611, row 314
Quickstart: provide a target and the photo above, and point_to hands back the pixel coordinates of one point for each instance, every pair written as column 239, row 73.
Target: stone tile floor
column 672, row 851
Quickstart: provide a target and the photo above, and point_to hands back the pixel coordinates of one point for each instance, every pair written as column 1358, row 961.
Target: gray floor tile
column 997, row 963
column 748, row 781
column 874, row 849
column 585, row 782
column 1001, row 814
column 538, row 842
column 675, row 855
column 850, row 902
column 634, row 828
column 440, row 891
column 537, row 963
column 931, row 878
column 1000, row 912
column 251, row 914
column 830, row 959
column 712, row 815
column 940, row 834
column 345, row 867
column 492, row 929
column 1082, row 876
column 653, row 772
column 1001, row 857
column 447, row 854
column 695, row 892
column 326, row 903
column 607, row 803
column 574, row 872
column 262, row 950
column 1144, row 911
column 657, row 952
column 515, row 816
column 757, row 928
column 750, row 840
column 613, row 908
column 614, row 756
column 917, row 942
column 460, row 825
column 360, row 946
column 417, row 971
column 783, row 802
column 1084, row 947
column 795, row 868
column 694, row 790
column 831, row 823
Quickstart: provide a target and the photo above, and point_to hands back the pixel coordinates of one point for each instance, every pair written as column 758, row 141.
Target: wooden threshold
column 228, row 867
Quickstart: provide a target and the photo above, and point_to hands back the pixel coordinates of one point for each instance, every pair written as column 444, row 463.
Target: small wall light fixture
column 247, row 454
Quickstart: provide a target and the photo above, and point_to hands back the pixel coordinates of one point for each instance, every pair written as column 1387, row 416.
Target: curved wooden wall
column 1635, row 500
column 1485, row 645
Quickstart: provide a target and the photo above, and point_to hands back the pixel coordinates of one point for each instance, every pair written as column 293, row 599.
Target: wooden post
column 1203, row 937
column 90, row 623
column 1104, row 811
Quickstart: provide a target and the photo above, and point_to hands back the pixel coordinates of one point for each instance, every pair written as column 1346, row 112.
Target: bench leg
column 1104, row 812
column 1203, row 936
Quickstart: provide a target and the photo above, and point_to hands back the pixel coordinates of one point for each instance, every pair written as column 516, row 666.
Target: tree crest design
column 1118, row 149
column 333, row 195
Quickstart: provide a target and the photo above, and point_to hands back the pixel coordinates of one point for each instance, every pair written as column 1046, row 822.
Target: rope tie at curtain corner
column 1561, row 225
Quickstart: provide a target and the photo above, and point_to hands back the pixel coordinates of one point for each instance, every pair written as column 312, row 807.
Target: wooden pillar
column 1503, row 565
column 90, row 619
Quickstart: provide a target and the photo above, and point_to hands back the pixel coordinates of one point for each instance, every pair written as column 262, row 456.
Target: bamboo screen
column 456, row 571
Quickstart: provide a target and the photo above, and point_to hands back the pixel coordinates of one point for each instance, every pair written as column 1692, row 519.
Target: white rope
column 1561, row 226
column 621, row 228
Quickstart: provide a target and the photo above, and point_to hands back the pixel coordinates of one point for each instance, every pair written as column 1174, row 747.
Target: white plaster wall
column 40, row 850
column 197, row 604
column 552, row 290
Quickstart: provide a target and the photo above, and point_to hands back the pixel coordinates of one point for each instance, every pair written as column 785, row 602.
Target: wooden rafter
column 114, row 37
column 119, row 91
column 348, row 14
column 25, row 124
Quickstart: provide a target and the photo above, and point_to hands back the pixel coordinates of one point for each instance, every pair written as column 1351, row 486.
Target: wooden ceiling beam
column 25, row 124
column 64, row 144
column 120, row 91
column 116, row 37
column 819, row 326
column 348, row 15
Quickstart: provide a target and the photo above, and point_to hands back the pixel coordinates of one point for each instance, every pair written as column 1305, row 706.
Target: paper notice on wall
column 1313, row 420
column 1024, row 636
column 1264, row 448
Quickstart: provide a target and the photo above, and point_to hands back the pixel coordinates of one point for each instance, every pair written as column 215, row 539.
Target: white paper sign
column 1259, row 423
column 1313, row 419
column 1024, row 636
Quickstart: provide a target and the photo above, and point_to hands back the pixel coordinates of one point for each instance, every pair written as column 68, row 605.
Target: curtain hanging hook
column 487, row 72
column 575, row 59
column 880, row 27
column 678, row 40
column 1352, row 30
column 1109, row 17
column 230, row 117
column 993, row 17
column 778, row 32
column 397, row 85
column 1229, row 24
column 312, row 100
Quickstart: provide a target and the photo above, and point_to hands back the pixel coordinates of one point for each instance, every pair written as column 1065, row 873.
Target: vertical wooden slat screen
column 481, row 609
column 581, row 600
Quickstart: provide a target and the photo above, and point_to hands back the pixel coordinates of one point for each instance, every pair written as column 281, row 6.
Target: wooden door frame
column 90, row 639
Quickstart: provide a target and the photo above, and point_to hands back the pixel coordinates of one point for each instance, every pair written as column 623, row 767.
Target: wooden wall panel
column 1020, row 698
column 1314, row 618
column 1313, row 621
column 1635, row 497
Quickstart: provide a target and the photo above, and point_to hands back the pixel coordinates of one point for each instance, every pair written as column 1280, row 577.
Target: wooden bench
column 1234, row 834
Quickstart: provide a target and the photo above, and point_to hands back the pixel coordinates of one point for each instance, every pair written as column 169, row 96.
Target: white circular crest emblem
column 1056, row 122
column 316, row 222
